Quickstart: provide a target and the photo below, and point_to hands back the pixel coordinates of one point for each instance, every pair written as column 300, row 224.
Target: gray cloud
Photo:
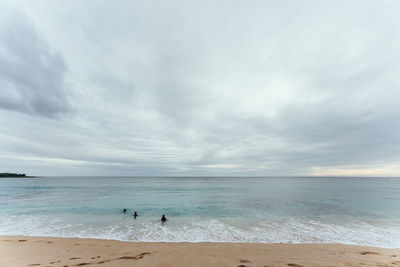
column 31, row 74
column 202, row 88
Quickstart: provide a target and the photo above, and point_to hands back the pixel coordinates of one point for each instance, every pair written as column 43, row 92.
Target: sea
column 362, row 211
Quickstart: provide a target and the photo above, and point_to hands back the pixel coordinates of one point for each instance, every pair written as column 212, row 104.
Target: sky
column 231, row 88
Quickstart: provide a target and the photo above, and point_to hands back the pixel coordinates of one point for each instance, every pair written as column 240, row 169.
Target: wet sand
column 51, row 251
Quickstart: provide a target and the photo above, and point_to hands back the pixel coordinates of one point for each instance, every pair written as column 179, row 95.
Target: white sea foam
column 209, row 230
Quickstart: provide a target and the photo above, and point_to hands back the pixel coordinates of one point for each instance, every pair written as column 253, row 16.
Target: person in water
column 124, row 211
column 163, row 219
column 135, row 215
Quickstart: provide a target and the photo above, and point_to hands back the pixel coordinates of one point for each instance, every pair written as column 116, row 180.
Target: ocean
column 363, row 211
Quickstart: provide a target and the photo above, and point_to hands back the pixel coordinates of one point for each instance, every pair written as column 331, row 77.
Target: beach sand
column 50, row 251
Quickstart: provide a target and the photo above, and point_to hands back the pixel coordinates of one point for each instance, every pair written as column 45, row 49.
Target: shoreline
column 195, row 242
column 60, row 251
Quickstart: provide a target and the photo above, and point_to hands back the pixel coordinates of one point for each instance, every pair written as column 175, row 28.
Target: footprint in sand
column 21, row 240
column 83, row 263
column 243, row 261
column 295, row 265
column 34, row 264
column 369, row 253
column 74, row 258
column 140, row 256
column 137, row 257
column 127, row 258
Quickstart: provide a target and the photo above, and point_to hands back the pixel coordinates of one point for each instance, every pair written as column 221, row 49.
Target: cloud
column 31, row 74
column 227, row 88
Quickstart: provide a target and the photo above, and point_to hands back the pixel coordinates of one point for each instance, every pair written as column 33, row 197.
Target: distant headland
column 8, row 174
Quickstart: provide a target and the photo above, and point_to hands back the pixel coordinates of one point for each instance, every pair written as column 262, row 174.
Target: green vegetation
column 7, row 174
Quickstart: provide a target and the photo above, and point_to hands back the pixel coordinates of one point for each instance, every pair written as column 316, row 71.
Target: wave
column 357, row 232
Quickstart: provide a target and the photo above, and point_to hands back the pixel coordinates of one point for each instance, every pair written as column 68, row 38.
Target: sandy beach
column 51, row 251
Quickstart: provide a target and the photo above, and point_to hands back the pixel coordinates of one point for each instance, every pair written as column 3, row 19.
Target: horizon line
column 214, row 176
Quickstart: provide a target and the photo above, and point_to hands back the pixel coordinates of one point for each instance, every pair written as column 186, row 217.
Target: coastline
column 57, row 251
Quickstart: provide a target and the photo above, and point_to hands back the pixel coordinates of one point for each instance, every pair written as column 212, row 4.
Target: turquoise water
column 362, row 211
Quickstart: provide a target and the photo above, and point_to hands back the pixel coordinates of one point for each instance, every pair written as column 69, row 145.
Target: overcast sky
column 200, row 87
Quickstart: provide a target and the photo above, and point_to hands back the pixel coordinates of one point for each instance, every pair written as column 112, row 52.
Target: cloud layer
column 31, row 75
column 200, row 88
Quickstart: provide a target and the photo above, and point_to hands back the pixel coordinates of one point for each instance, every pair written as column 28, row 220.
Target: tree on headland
column 8, row 174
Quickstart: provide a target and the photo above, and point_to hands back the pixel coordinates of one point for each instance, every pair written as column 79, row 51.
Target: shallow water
column 363, row 211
